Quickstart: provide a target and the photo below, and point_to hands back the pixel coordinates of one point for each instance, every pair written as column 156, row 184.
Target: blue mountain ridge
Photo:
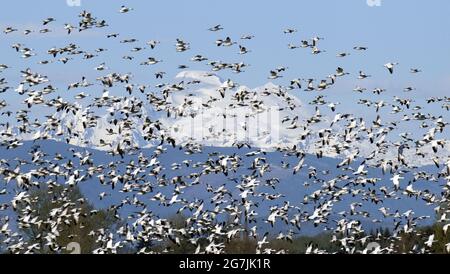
column 290, row 186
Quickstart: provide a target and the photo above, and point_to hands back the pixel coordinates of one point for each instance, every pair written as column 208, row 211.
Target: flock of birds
column 231, row 210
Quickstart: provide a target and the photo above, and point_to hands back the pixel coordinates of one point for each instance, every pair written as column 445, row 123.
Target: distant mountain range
column 290, row 186
column 214, row 123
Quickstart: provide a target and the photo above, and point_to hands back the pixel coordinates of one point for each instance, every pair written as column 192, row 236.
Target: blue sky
column 413, row 33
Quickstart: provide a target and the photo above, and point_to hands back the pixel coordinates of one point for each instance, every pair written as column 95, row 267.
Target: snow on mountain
column 216, row 121
column 92, row 128
column 215, row 112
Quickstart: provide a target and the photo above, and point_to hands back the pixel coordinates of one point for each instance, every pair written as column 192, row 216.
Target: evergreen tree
column 60, row 215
